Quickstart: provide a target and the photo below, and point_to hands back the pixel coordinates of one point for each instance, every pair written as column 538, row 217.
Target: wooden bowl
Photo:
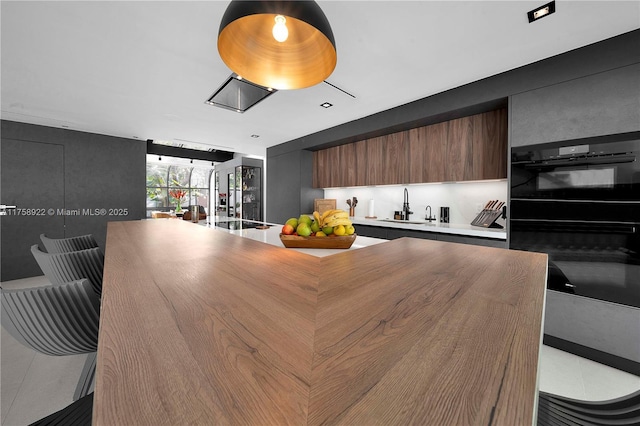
column 296, row 241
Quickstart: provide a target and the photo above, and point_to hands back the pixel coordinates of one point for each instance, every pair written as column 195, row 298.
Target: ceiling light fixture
column 326, row 105
column 541, row 11
column 278, row 44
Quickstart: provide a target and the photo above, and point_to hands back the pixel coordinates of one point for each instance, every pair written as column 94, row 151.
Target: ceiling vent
column 238, row 94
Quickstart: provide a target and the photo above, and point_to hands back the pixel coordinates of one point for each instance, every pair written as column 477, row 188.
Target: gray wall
column 99, row 172
column 289, row 191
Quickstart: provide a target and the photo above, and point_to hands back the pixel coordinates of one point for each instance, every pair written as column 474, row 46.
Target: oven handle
column 593, row 161
column 583, row 226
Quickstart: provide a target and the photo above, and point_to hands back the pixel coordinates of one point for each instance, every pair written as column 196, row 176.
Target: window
column 157, row 192
column 163, row 180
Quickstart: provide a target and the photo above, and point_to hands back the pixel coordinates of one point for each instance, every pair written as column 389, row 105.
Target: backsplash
column 463, row 199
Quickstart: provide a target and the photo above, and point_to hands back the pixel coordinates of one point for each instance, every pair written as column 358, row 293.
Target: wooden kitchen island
column 199, row 326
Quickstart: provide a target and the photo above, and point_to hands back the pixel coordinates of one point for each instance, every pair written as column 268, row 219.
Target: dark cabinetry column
column 595, row 105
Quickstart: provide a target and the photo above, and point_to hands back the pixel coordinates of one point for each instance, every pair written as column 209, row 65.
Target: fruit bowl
column 335, row 242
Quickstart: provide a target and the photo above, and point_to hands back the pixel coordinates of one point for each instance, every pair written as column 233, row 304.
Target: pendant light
column 277, row 44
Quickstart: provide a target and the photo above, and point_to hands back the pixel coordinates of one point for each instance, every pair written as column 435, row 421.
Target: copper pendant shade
column 247, row 43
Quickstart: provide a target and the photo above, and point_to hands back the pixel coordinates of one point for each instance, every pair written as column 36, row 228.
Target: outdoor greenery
column 163, row 180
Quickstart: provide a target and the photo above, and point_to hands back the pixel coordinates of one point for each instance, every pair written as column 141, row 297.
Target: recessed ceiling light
column 326, row 105
column 255, row 136
column 541, row 11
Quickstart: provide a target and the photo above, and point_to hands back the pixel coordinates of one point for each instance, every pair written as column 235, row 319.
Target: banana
column 316, row 217
column 338, row 221
column 333, row 216
column 328, row 213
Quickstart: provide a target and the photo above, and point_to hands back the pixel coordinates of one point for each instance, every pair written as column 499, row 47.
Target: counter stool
column 56, row 320
column 64, row 267
column 78, row 413
column 558, row 410
column 65, row 245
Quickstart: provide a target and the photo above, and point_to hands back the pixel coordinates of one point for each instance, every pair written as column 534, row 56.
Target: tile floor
column 35, row 385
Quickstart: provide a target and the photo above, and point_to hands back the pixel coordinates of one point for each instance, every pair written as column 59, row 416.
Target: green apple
column 303, row 229
column 328, row 230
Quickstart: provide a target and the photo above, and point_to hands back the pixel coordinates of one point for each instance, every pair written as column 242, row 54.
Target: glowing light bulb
column 280, row 31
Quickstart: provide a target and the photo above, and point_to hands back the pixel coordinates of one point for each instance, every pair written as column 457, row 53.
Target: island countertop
column 199, row 326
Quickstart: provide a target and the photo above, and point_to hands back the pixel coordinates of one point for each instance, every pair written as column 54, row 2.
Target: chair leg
column 78, row 413
column 88, row 375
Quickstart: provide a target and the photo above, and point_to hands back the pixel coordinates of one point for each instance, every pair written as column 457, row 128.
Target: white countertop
column 272, row 236
column 443, row 228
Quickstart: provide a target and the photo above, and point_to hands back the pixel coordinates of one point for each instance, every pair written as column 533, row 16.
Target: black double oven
column 579, row 202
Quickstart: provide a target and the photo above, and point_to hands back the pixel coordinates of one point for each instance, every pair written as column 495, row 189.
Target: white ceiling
column 144, row 69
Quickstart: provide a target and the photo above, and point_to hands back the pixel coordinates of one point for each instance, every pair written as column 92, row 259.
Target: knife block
column 487, row 219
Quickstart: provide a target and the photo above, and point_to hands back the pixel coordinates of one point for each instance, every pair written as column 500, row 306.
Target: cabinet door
column 436, row 152
column 417, row 146
column 459, row 159
column 490, row 145
column 346, row 165
column 478, row 241
column 371, row 231
column 333, row 167
column 601, row 104
column 361, row 162
column 375, row 161
column 321, row 169
column 395, row 158
column 399, row 233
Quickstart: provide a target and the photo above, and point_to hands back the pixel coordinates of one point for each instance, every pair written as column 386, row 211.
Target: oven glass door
column 604, row 172
column 587, row 257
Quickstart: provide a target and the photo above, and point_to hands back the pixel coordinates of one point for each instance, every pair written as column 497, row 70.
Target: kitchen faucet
column 405, row 206
column 428, row 216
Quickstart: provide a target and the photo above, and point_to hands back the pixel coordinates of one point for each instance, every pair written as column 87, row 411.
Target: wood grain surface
column 199, row 326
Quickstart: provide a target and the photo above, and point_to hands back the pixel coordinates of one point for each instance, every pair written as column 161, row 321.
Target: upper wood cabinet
column 427, row 153
column 490, row 145
column 468, row 148
column 459, row 153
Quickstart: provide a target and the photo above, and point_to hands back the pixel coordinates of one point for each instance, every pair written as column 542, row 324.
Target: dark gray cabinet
column 596, row 105
column 479, row 241
column 393, row 233
column 372, row 231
